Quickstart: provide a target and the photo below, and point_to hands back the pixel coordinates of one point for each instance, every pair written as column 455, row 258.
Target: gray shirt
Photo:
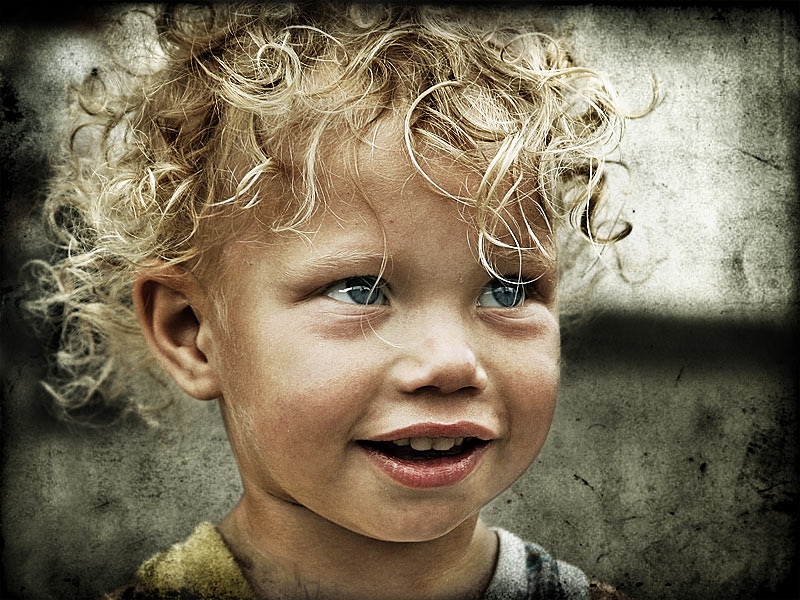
column 525, row 571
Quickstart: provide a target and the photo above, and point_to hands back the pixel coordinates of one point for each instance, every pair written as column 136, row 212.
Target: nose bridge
column 439, row 352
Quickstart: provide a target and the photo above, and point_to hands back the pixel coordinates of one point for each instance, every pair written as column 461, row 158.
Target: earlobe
column 165, row 306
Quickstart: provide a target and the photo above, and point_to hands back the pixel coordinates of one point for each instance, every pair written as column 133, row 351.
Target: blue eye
column 502, row 294
column 366, row 290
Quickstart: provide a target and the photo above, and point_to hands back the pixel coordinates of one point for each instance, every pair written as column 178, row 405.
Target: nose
column 438, row 356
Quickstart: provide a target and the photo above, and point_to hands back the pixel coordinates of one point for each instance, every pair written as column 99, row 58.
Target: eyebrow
column 338, row 258
column 525, row 260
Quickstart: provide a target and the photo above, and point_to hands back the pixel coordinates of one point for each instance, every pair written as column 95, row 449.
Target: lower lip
column 430, row 473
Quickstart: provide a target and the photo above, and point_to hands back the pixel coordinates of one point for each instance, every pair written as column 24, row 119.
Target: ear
column 166, row 302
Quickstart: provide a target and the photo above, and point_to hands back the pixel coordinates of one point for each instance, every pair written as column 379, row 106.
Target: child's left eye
column 364, row 289
column 502, row 294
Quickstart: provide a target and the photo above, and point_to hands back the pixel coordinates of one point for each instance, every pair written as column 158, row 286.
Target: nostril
column 427, row 389
column 462, row 385
column 433, row 390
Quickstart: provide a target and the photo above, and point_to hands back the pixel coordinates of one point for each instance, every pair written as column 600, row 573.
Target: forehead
column 373, row 183
column 392, row 174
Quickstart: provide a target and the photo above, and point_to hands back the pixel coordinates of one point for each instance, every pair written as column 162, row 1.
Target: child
column 340, row 222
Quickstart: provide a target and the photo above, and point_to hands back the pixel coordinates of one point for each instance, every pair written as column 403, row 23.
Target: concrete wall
column 671, row 469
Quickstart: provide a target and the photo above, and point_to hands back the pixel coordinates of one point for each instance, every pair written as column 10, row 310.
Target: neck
column 288, row 552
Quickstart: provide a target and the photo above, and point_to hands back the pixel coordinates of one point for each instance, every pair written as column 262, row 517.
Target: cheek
column 531, row 392
column 295, row 386
column 533, row 407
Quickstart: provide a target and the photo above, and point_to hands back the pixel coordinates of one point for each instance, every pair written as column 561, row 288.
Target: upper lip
column 461, row 429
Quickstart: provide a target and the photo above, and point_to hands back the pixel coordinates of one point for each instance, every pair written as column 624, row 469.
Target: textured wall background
column 671, row 469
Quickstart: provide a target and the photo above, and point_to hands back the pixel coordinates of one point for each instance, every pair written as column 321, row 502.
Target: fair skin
column 316, row 386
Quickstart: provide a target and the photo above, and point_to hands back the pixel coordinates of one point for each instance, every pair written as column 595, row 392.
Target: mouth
column 429, row 456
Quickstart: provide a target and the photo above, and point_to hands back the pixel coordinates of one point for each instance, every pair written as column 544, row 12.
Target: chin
column 415, row 525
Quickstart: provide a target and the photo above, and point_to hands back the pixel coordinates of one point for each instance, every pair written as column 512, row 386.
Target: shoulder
column 526, row 571
column 200, row 567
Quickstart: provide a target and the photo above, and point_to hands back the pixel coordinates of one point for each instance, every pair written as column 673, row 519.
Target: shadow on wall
column 640, row 340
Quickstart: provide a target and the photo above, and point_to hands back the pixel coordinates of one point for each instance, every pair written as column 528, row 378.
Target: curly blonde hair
column 155, row 157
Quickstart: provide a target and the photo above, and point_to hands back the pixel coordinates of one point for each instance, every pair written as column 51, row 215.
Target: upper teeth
column 426, row 443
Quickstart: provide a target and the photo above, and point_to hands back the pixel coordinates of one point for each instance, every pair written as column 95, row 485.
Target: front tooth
column 458, row 441
column 421, row 443
column 403, row 442
column 443, row 443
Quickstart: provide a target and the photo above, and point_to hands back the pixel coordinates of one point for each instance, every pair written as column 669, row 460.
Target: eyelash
column 369, row 290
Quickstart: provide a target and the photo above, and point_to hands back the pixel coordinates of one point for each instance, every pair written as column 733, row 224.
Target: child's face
column 310, row 375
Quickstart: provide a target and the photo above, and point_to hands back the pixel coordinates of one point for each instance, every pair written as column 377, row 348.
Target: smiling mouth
column 421, row 449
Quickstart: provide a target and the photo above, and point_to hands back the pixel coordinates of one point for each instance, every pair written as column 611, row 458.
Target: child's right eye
column 364, row 289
